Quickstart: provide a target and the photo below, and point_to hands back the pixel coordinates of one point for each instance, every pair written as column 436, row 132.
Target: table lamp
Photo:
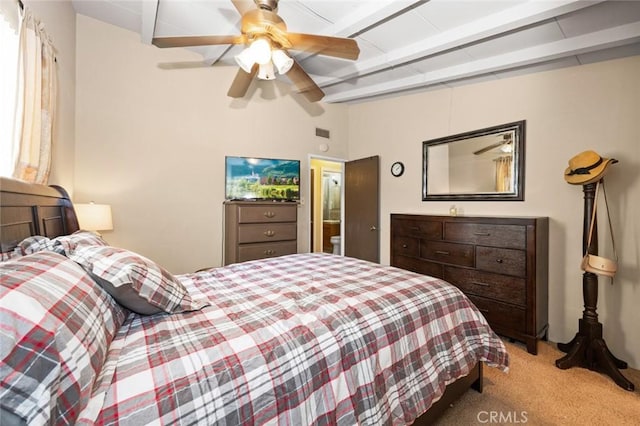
column 94, row 217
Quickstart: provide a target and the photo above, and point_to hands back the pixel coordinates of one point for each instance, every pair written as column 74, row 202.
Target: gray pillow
column 127, row 297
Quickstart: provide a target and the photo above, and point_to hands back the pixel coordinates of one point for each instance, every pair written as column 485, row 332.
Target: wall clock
column 397, row 169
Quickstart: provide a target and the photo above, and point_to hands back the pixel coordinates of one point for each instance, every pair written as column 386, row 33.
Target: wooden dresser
column 501, row 263
column 256, row 229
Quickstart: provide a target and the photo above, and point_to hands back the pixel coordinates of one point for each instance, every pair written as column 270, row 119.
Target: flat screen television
column 270, row 179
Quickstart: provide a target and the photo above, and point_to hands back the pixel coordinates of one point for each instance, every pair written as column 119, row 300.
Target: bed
column 95, row 334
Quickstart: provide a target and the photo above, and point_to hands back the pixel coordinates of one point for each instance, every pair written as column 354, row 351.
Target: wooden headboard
column 28, row 209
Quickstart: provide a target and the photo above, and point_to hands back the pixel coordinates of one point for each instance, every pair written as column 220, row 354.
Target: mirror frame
column 518, row 165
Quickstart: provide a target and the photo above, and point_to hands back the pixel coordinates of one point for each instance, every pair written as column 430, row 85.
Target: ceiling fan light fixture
column 266, row 72
column 266, row 43
column 282, row 61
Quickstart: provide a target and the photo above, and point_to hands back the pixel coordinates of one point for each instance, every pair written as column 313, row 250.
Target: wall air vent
column 323, row 133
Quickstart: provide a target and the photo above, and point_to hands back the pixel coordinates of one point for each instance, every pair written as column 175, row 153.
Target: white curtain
column 9, row 41
column 37, row 89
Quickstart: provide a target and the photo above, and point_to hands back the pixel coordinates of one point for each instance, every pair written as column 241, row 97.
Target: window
column 28, row 95
column 9, row 41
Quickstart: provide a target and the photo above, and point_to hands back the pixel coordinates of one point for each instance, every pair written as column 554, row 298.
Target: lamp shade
column 282, row 61
column 245, row 60
column 261, row 50
column 265, row 72
column 94, row 217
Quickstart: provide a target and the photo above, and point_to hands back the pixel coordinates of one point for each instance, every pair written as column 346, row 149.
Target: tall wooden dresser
column 500, row 263
column 256, row 230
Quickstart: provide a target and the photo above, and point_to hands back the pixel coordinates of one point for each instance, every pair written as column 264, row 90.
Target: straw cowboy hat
column 587, row 167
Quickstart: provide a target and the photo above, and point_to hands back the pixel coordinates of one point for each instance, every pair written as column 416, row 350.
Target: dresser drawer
column 457, row 254
column 501, row 261
column 492, row 286
column 485, row 234
column 418, row 229
column 418, row 265
column 262, row 250
column 500, row 314
column 250, row 233
column 406, row 246
column 267, row 213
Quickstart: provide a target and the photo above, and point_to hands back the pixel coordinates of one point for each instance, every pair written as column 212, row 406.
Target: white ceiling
column 406, row 45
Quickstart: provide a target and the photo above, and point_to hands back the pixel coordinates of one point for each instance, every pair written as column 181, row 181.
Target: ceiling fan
column 269, row 41
column 506, row 139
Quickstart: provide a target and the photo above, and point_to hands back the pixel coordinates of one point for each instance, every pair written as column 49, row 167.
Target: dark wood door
column 361, row 208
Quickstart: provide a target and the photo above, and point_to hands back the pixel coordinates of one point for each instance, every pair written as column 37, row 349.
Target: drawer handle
column 499, row 260
column 269, row 252
column 405, row 246
column 445, row 253
column 480, row 284
column 482, row 234
column 414, row 228
column 269, row 233
column 269, row 214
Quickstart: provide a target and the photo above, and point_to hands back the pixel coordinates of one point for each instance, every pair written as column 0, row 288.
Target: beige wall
column 567, row 111
column 59, row 20
column 152, row 142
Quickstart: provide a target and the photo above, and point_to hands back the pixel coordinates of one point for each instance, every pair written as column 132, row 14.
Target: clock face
column 397, row 169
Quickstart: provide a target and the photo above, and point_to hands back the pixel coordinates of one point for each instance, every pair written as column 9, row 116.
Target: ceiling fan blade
column 243, row 6
column 305, row 85
column 188, row 41
column 489, row 147
column 346, row 48
column 241, row 82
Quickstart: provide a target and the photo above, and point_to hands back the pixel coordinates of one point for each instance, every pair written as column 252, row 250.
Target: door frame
column 308, row 192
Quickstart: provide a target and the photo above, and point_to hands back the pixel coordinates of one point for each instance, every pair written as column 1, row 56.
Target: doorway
column 358, row 183
column 326, row 205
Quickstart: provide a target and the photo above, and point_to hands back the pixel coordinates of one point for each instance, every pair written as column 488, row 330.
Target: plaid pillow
column 57, row 325
column 79, row 238
column 11, row 254
column 28, row 246
column 135, row 281
column 62, row 244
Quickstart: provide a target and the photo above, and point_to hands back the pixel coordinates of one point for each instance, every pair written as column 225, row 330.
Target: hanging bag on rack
column 597, row 264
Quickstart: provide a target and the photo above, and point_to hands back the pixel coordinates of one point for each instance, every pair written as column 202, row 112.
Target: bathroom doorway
column 327, row 205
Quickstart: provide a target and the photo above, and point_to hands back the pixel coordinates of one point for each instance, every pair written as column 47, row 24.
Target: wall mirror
column 481, row 165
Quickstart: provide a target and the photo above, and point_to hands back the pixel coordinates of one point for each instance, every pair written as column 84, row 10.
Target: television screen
column 250, row 178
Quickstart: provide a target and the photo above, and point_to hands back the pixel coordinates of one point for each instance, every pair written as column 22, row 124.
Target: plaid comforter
column 295, row 340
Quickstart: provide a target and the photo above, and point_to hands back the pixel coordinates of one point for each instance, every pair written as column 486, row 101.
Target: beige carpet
column 536, row 392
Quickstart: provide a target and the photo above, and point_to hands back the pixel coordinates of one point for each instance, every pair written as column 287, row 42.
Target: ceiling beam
column 608, row 38
column 368, row 15
column 498, row 23
column 148, row 20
